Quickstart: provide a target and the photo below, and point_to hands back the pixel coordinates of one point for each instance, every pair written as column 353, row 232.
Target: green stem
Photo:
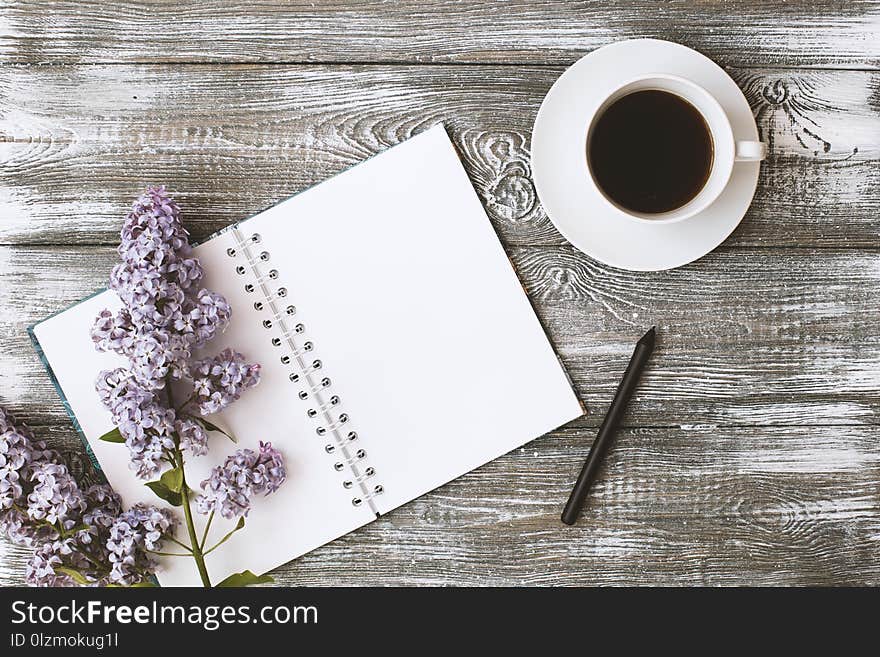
column 177, row 456
column 207, row 527
column 197, row 554
column 170, row 554
column 225, row 538
column 180, row 543
column 184, row 404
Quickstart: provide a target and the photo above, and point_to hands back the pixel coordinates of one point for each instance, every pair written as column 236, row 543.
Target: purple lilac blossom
column 147, row 426
column 132, row 536
column 166, row 314
column 103, row 506
column 114, row 332
column 219, row 381
column 40, row 569
column 246, row 473
column 67, row 528
column 157, row 355
column 193, row 437
column 19, row 529
column 55, row 496
column 203, row 317
column 15, row 454
column 19, row 452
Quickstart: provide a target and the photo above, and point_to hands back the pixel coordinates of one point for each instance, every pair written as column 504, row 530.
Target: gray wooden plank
column 78, row 143
column 680, row 505
column 755, row 336
column 760, row 336
column 820, row 33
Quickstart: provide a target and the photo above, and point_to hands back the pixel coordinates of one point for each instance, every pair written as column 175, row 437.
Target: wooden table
column 752, row 450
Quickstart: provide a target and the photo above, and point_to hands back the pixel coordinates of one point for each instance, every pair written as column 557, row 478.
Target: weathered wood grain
column 689, row 505
column 78, row 143
column 751, row 453
column 761, row 336
column 763, row 32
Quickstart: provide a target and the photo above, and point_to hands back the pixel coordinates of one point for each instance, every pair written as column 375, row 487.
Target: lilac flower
column 20, row 454
column 55, row 496
column 21, row 530
column 246, row 473
column 153, row 238
column 136, row 286
column 147, row 426
column 114, row 332
column 40, row 569
column 158, row 355
column 132, row 535
column 205, row 316
column 149, row 437
column 70, row 531
column 154, row 301
column 112, row 385
column 166, row 316
column 185, row 270
column 193, row 437
column 103, row 506
column 219, row 381
column 15, row 454
column 154, row 215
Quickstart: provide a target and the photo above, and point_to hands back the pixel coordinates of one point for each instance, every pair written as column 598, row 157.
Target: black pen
column 630, row 380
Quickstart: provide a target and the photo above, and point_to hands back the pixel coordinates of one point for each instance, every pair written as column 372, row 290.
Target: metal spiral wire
column 323, row 404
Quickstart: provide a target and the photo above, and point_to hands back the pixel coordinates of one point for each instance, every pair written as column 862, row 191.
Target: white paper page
column 310, row 509
column 431, row 343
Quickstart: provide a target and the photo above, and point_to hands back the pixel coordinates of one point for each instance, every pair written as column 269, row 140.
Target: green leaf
column 172, row 479
column 169, row 486
column 210, row 426
column 162, row 491
column 112, row 436
column 244, row 578
column 75, row 575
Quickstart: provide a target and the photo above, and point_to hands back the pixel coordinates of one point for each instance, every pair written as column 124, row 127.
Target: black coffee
column 650, row 151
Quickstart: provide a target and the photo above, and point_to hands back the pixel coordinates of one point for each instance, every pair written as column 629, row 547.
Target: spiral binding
column 306, row 371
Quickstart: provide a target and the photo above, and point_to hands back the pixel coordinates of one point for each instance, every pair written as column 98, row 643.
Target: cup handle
column 750, row 151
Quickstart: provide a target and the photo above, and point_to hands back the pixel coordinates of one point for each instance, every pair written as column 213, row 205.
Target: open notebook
column 393, row 278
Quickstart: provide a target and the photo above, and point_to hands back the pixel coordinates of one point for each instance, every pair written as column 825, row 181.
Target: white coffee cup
column 726, row 150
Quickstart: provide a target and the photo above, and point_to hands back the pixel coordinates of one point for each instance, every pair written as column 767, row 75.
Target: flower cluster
column 219, row 381
column 74, row 533
column 55, row 496
column 165, row 316
column 135, row 534
column 145, row 423
column 246, row 473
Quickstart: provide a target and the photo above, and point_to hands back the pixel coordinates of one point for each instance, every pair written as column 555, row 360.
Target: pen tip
column 649, row 336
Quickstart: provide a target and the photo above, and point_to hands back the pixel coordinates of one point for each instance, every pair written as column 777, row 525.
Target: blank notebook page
column 421, row 322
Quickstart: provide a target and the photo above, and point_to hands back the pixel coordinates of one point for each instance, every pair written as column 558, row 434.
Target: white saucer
column 575, row 207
